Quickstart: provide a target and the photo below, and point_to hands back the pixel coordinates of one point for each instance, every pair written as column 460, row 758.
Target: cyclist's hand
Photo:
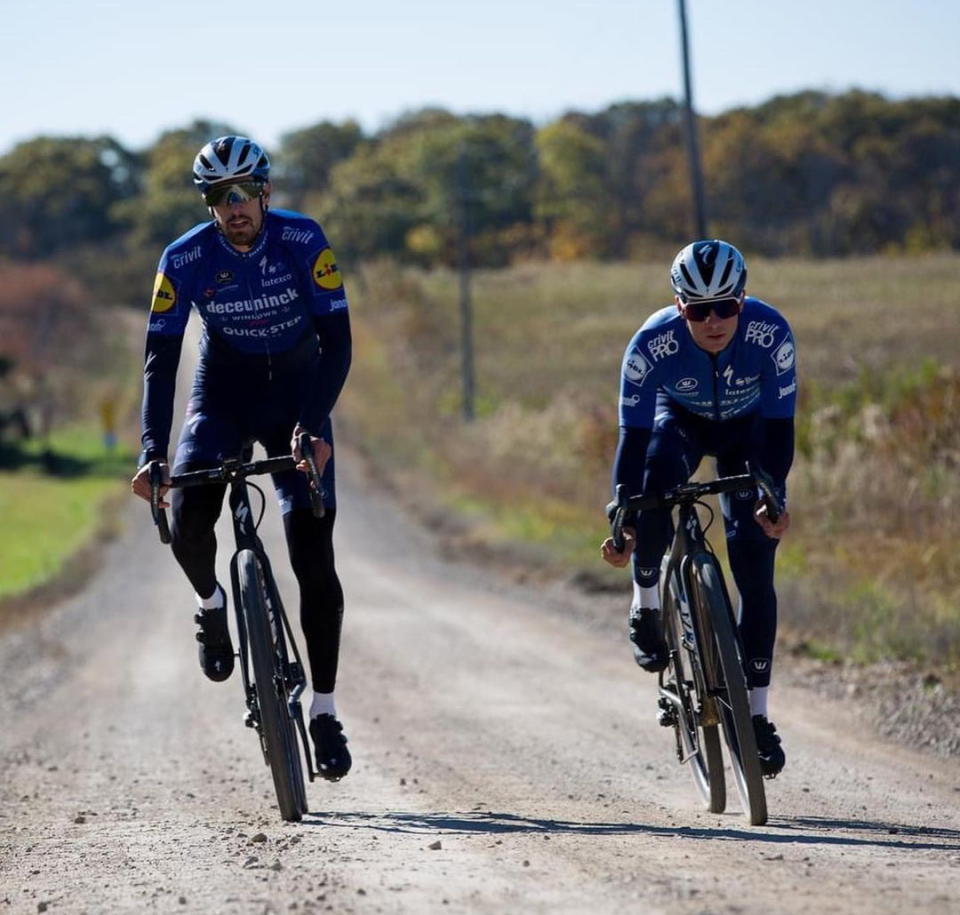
column 140, row 484
column 773, row 529
column 609, row 553
column 321, row 452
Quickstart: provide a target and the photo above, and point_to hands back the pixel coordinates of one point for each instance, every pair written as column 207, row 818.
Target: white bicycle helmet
column 229, row 159
column 710, row 269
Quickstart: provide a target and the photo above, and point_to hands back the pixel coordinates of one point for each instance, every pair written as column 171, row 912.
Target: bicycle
column 704, row 687
column 267, row 648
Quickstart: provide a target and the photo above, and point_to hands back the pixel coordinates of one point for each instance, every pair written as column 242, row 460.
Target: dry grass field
column 870, row 568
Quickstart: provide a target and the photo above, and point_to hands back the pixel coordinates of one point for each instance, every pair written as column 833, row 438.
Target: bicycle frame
column 247, row 538
column 689, row 543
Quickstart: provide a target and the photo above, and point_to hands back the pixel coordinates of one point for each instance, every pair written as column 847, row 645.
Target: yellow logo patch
column 164, row 297
column 326, row 273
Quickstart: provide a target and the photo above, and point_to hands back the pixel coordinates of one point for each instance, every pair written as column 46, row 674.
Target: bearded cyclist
column 275, row 351
column 715, row 374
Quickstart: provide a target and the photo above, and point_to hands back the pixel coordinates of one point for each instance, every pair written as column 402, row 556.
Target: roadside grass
column 869, row 569
column 49, row 516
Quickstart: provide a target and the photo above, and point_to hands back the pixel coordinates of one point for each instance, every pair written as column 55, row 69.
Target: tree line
column 814, row 174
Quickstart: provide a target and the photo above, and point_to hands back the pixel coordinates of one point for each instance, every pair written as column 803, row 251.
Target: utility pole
column 466, row 309
column 693, row 150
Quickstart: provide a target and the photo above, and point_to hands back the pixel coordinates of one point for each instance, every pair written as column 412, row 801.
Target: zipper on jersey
column 715, row 358
column 266, row 344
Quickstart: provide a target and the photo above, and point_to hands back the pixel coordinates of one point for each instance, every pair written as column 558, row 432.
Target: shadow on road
column 800, row 831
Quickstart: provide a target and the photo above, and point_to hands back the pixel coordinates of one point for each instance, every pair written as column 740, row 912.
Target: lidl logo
column 164, row 297
column 326, row 274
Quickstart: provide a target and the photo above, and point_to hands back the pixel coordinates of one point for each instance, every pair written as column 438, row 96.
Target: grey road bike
column 270, row 664
column 703, row 690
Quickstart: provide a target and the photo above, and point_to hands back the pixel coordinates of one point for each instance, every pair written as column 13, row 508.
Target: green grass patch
column 48, row 516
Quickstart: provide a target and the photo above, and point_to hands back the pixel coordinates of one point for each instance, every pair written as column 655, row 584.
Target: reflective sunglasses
column 700, row 311
column 233, row 193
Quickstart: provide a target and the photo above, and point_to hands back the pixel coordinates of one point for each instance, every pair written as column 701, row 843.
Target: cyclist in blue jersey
column 715, row 374
column 275, row 350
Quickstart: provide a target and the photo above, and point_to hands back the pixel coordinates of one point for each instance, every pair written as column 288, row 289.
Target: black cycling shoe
column 333, row 757
column 216, row 649
column 771, row 754
column 650, row 649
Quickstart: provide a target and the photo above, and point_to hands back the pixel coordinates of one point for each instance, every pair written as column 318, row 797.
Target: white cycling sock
column 646, row 597
column 323, row 704
column 217, row 599
column 758, row 700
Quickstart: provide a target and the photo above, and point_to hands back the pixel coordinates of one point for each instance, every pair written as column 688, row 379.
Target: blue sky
column 133, row 69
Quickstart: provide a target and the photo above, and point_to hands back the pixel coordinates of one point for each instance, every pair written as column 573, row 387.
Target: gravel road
column 506, row 760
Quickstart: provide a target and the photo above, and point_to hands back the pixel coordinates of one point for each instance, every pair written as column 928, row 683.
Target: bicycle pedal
column 666, row 714
column 249, row 720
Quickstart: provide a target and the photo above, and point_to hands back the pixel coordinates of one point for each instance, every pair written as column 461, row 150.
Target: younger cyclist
column 715, row 374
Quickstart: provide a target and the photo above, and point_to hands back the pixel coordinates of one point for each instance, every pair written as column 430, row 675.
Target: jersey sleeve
column 327, row 295
column 638, row 387
column 168, row 320
column 778, row 376
column 329, row 311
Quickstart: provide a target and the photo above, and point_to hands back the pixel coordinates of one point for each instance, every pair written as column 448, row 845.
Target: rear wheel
column 277, row 728
column 698, row 744
column 732, row 692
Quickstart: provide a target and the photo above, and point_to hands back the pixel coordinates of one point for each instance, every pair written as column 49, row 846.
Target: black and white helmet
column 229, row 159
column 710, row 269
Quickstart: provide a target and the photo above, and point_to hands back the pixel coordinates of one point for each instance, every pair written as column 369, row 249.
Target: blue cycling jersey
column 755, row 371
column 265, row 308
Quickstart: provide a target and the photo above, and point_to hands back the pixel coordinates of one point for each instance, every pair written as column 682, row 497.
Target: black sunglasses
column 700, row 311
column 240, row 192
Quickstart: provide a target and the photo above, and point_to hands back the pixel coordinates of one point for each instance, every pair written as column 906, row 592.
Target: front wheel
column 731, row 686
column 277, row 728
column 684, row 694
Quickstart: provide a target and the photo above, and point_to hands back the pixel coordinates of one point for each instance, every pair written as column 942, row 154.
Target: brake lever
column 305, row 445
column 159, row 514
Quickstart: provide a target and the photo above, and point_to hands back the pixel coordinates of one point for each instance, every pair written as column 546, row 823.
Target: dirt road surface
column 506, row 760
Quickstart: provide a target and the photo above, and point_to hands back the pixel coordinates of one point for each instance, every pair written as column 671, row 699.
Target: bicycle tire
column 732, row 698
column 277, row 729
column 698, row 745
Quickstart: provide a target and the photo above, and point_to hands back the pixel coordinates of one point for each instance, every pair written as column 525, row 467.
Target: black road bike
column 273, row 673
column 703, row 690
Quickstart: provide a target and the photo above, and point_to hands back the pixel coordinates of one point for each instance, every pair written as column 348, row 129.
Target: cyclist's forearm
column 631, row 458
column 778, row 447
column 336, row 355
column 159, row 387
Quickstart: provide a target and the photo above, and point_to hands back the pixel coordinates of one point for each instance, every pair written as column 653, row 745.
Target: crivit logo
column 178, row 260
column 303, row 236
column 762, row 333
column 663, row 345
